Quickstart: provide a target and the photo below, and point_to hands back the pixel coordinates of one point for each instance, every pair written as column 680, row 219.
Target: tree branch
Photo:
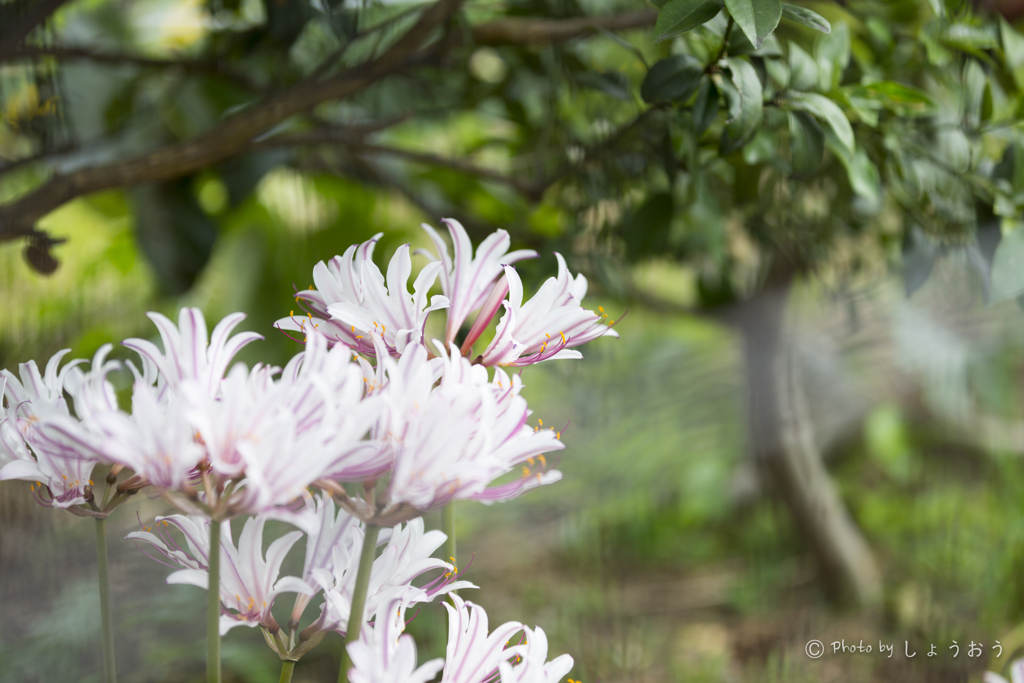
column 516, row 31
column 530, row 190
column 229, row 137
column 237, row 132
column 353, row 140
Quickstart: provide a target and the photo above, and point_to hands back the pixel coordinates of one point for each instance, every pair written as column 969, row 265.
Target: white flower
column 186, row 354
column 1016, row 674
column 282, row 435
column 326, row 529
column 406, row 556
column 473, row 654
column 37, row 416
column 249, row 582
column 340, row 409
column 532, row 665
column 383, row 654
column 453, row 440
column 357, row 304
column 548, row 325
column 12, row 444
column 156, row 441
column 468, row 281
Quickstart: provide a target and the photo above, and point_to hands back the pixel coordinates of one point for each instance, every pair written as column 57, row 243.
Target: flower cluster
column 368, row 427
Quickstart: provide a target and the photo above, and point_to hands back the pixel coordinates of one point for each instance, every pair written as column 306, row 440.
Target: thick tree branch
column 516, row 31
column 120, row 58
column 8, row 166
column 225, row 139
column 237, row 132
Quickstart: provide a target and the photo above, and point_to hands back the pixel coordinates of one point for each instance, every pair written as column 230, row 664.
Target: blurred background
column 811, row 426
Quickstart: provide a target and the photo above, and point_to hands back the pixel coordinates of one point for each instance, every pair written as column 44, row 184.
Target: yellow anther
column 311, row 287
column 90, row 482
column 558, row 435
column 291, row 313
column 540, row 422
column 563, row 337
column 529, row 460
column 543, row 460
column 526, row 471
column 600, row 309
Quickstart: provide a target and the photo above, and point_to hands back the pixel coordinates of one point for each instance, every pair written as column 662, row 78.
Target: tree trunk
column 782, row 444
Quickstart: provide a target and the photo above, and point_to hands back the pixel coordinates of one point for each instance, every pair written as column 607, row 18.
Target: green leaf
column 680, row 16
column 806, row 143
column 832, row 53
column 1013, row 52
column 975, row 83
column 1008, row 267
column 809, row 18
column 746, row 105
column 970, row 38
column 826, row 110
column 673, row 78
column 803, row 70
column 861, row 171
column 705, row 109
column 857, row 103
column 762, row 148
column 778, row 72
column 893, row 93
column 757, row 18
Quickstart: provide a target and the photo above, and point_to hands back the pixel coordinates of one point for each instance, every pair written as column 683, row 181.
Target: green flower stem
column 105, row 617
column 448, row 527
column 286, row 671
column 213, row 607
column 355, row 617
